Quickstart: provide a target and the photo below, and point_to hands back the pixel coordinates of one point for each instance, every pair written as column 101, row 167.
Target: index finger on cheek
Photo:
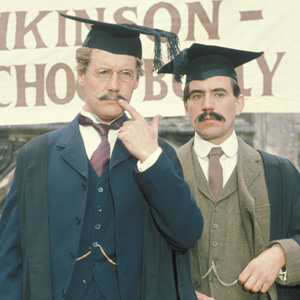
column 131, row 110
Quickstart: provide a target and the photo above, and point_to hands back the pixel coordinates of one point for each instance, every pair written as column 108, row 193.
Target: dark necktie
column 215, row 171
column 101, row 155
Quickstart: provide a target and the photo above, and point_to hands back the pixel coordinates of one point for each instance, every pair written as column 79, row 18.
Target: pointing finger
column 155, row 123
column 131, row 110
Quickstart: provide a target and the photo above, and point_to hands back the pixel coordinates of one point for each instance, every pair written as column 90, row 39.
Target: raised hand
column 137, row 135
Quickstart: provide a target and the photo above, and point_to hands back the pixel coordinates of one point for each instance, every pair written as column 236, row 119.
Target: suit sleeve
column 175, row 212
column 10, row 250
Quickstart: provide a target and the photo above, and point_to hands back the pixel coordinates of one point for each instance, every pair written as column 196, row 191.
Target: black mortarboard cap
column 125, row 39
column 200, row 62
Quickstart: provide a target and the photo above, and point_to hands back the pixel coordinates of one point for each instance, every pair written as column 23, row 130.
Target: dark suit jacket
column 153, row 209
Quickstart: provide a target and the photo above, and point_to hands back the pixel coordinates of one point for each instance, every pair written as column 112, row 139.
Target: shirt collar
column 203, row 147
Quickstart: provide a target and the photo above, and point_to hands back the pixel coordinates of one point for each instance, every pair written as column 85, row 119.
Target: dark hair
column 234, row 84
column 83, row 57
column 235, row 87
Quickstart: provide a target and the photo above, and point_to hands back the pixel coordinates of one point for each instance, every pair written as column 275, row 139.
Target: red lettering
column 151, row 80
column 174, row 15
column 51, row 86
column 22, row 30
column 7, row 70
column 3, row 32
column 267, row 73
column 240, row 76
column 22, row 85
column 119, row 18
column 211, row 27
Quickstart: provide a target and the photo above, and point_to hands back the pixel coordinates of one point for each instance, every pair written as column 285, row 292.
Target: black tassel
column 180, row 65
column 172, row 48
column 157, row 60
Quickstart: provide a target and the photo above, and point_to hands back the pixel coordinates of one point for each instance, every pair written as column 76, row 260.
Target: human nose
column 208, row 103
column 113, row 82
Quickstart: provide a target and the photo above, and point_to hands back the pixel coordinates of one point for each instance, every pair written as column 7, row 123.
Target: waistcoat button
column 77, row 220
column 215, row 226
column 97, row 226
column 63, row 293
column 215, row 243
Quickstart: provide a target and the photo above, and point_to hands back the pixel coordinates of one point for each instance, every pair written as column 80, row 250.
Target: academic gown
column 283, row 184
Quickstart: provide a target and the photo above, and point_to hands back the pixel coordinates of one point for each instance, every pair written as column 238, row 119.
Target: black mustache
column 107, row 96
column 212, row 114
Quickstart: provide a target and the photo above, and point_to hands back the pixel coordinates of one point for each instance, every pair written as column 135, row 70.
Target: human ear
column 239, row 104
column 136, row 84
column 186, row 108
column 81, row 78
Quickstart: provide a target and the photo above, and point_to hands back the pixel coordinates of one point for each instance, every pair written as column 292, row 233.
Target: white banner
column 37, row 53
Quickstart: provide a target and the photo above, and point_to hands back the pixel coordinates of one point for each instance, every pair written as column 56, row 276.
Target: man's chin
column 208, row 133
column 108, row 111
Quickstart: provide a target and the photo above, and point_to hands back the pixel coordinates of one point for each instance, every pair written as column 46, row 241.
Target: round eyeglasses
column 105, row 74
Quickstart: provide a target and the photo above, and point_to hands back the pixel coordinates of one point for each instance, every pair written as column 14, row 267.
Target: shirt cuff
column 282, row 275
column 150, row 161
column 283, row 272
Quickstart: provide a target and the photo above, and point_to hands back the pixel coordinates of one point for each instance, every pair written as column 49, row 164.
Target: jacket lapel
column 72, row 148
column 193, row 173
column 202, row 183
column 254, row 201
column 120, row 153
column 248, row 165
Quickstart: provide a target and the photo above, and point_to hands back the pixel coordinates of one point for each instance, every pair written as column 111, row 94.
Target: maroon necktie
column 101, row 155
column 215, row 171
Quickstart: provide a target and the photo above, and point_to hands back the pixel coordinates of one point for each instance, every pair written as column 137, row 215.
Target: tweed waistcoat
column 98, row 228
column 223, row 243
column 245, row 208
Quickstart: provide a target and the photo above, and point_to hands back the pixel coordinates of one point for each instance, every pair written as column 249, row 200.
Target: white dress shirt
column 91, row 140
column 228, row 160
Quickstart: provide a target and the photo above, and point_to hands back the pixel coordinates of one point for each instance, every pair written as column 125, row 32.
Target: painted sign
column 37, row 53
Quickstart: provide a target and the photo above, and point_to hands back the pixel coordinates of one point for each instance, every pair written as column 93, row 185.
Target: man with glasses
column 98, row 209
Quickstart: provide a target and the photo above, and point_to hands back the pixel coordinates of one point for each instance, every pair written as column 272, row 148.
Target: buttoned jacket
column 151, row 213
